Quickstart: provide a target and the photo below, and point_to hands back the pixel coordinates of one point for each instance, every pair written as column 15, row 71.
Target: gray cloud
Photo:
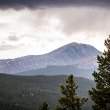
column 6, row 47
column 18, row 4
column 3, row 25
column 85, row 19
column 73, row 19
column 13, row 38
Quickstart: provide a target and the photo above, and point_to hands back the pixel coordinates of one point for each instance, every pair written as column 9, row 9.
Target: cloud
column 6, row 47
column 85, row 19
column 13, row 38
column 19, row 4
column 3, row 25
column 66, row 20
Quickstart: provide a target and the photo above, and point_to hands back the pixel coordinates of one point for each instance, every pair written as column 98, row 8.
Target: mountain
column 77, row 55
column 60, row 70
column 31, row 91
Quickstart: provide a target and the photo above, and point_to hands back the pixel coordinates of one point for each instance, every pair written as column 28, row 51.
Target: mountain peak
column 73, row 44
column 79, row 50
column 76, row 54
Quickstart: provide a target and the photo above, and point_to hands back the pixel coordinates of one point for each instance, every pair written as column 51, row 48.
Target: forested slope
column 28, row 92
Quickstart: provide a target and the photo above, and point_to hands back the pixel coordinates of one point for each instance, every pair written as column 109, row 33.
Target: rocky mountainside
column 80, row 56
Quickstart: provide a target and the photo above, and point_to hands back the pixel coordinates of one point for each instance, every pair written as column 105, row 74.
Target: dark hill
column 31, row 91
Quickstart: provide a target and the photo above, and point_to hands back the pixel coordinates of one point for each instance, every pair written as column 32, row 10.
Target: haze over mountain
column 77, row 55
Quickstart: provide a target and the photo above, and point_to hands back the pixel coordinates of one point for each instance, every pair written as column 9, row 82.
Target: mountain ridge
column 76, row 54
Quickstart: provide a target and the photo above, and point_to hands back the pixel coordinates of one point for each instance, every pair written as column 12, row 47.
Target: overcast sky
column 33, row 27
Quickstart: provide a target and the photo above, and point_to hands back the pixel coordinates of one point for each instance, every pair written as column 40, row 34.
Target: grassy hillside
column 28, row 92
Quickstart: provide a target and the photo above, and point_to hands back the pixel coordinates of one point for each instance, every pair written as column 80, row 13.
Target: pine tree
column 70, row 100
column 44, row 106
column 101, row 93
